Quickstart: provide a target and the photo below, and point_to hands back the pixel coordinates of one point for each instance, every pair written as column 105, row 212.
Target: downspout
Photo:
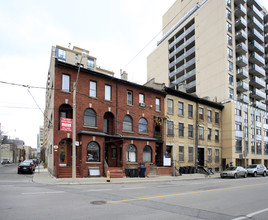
column 116, row 110
column 196, row 138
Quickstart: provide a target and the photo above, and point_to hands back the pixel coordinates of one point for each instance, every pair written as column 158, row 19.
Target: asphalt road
column 20, row 198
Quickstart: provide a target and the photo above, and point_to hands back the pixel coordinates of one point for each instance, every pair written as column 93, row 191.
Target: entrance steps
column 153, row 172
column 66, row 172
column 116, row 172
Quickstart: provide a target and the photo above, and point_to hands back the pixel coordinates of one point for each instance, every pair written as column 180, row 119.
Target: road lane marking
column 97, row 190
column 36, row 193
column 132, row 188
column 251, row 214
column 187, row 193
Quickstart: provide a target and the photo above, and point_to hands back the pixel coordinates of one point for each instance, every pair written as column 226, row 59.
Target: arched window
column 127, row 123
column 147, row 154
column 143, row 125
column 90, row 117
column 93, row 152
column 131, row 153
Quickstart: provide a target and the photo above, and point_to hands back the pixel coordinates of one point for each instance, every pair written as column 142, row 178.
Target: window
column 127, row 123
column 90, row 117
column 209, row 134
column 238, row 145
column 228, row 14
column 231, row 79
column 108, row 92
column 259, row 148
column 170, row 106
column 238, row 112
column 181, row 129
column 129, row 97
column 190, row 111
column 92, row 89
column 231, row 93
column 201, row 114
column 61, row 54
column 170, row 128
column 201, row 133
column 229, row 3
column 252, row 147
column 157, row 104
column 141, row 100
column 217, row 155
column 229, row 40
column 229, row 27
column 209, row 116
column 76, row 56
column 190, row 131
column 190, row 154
column 90, row 62
column 230, row 66
column 230, row 53
column 209, row 155
column 180, row 105
column 258, row 130
column 181, row 153
column 131, row 153
column 147, row 154
column 65, row 83
column 93, row 152
column 217, row 136
column 238, row 126
column 143, row 127
column 265, row 148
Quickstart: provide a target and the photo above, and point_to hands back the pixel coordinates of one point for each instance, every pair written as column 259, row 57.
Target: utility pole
column 74, row 120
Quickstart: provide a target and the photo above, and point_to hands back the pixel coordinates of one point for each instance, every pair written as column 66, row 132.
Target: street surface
column 186, row 199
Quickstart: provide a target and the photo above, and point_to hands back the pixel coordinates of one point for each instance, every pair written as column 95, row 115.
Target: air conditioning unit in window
column 142, row 105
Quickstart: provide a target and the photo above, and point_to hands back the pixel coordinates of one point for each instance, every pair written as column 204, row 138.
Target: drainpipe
column 196, row 139
column 116, row 109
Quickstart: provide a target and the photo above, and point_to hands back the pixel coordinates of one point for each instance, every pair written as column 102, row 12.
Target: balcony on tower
column 240, row 2
column 240, row 23
column 242, row 86
column 260, row 105
column 256, row 59
column 255, row 46
column 240, row 10
column 256, row 3
column 256, row 70
column 243, row 98
column 240, row 36
column 241, row 48
column 241, row 73
column 257, row 82
column 254, row 11
column 254, row 23
column 241, row 61
column 257, row 94
column 256, row 35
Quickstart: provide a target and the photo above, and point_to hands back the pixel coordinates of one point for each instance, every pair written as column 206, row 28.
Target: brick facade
column 114, row 143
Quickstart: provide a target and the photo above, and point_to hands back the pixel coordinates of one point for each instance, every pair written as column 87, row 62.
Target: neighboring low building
column 193, row 128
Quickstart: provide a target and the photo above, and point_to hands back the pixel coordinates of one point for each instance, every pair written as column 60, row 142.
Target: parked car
column 32, row 163
column 256, row 169
column 234, row 172
column 25, row 167
column 5, row 161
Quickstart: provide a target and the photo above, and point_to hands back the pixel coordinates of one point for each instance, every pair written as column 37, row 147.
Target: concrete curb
column 44, row 177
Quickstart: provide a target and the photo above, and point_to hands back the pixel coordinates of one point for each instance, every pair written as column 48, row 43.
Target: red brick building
column 119, row 124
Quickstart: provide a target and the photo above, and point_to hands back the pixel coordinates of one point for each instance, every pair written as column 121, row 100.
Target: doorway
column 201, row 156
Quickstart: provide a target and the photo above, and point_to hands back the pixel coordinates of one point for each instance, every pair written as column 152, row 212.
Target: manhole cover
column 98, row 202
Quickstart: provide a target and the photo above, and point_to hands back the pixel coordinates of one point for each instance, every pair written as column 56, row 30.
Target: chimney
column 123, row 75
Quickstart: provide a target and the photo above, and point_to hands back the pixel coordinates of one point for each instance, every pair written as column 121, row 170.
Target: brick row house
column 119, row 124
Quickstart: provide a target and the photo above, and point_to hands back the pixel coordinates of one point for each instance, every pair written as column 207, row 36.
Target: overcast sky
column 114, row 31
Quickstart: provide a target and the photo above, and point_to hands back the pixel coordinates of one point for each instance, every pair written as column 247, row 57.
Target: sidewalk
column 42, row 176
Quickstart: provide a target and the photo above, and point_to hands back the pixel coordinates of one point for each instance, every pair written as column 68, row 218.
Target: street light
column 74, row 119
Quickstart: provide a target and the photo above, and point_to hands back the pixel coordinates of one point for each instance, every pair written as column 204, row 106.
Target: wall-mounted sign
column 167, row 161
column 66, row 124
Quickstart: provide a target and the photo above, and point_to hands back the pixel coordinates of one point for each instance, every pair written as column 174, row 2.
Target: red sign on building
column 66, row 124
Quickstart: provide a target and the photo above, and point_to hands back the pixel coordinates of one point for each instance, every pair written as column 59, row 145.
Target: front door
column 63, row 155
column 201, row 157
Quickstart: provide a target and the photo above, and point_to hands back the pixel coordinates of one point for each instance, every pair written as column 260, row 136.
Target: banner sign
column 66, row 124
